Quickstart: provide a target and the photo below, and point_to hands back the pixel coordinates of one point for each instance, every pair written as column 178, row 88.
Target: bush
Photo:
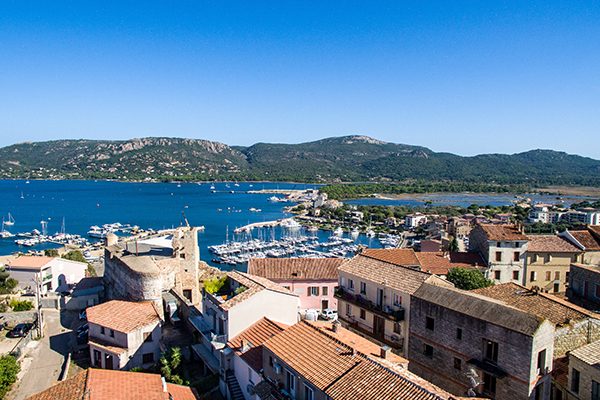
column 21, row 305
column 9, row 368
column 75, row 255
column 51, row 253
column 214, row 285
column 468, row 279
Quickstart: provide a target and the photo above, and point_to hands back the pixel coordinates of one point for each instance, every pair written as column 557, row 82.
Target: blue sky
column 464, row 77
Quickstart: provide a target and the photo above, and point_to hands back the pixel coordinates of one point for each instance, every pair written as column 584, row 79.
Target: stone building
column 583, row 381
column 587, row 240
column 465, row 342
column 142, row 269
column 503, row 249
column 584, row 285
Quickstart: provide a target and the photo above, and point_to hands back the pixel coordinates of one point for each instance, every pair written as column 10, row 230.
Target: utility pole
column 38, row 298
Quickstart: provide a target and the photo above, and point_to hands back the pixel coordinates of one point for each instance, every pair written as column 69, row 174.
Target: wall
column 578, row 276
column 587, row 374
column 72, row 271
column 312, row 302
column 539, row 263
column 245, row 375
column 575, row 335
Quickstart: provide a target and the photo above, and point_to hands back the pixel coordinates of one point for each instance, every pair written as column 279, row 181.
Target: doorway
column 324, row 304
column 378, row 326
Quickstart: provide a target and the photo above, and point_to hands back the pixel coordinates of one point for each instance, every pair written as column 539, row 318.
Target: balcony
column 361, row 301
column 394, row 340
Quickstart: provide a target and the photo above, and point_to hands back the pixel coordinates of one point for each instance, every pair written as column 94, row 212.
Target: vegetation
column 215, row 285
column 51, row 253
column 170, row 364
column 240, row 289
column 21, row 305
column 468, row 279
column 9, row 368
column 453, row 245
column 338, row 159
column 7, row 284
column 74, row 255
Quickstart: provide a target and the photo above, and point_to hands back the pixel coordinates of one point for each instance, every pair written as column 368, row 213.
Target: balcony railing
column 394, row 340
column 361, row 301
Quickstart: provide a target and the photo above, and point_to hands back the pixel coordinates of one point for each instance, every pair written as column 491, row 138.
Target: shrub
column 468, row 279
column 21, row 305
column 9, row 368
column 214, row 285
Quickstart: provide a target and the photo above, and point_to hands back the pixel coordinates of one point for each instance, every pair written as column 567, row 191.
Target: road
column 42, row 365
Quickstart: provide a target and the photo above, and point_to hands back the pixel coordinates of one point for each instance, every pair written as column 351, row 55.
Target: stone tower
column 187, row 253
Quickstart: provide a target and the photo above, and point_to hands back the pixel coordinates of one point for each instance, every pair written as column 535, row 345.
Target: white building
column 53, row 273
column 124, row 334
column 414, row 220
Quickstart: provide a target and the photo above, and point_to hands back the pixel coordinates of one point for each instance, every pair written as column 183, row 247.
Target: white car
column 329, row 314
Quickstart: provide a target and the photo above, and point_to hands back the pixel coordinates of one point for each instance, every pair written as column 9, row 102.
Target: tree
column 453, row 246
column 468, row 279
column 169, row 366
column 9, row 368
column 51, row 253
column 75, row 255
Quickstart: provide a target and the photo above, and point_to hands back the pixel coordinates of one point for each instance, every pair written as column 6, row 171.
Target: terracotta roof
column 551, row 244
column 439, row 263
column 258, row 333
column 107, row 346
column 589, row 354
column 123, row 316
column 341, row 373
column 545, row 306
column 30, row 262
column 393, row 256
column 295, row 268
column 586, row 239
column 480, row 307
column 254, row 284
column 395, row 276
column 502, row 232
column 102, row 384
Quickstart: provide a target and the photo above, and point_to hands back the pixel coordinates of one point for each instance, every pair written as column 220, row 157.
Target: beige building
column 587, row 240
column 547, row 262
column 124, row 335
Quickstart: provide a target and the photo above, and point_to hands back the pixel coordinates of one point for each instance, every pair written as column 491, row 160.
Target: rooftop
column 101, row 384
column 589, row 354
column 254, row 336
column 503, row 232
column 295, row 268
column 405, row 257
column 551, row 244
column 123, row 316
column 34, row 263
column 343, row 372
column 545, row 306
column 439, row 262
column 586, row 239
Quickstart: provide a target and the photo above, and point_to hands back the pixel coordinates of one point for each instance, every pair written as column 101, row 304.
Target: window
column 270, row 361
column 557, row 275
column 324, row 290
column 363, row 314
column 187, row 293
column 363, row 288
column 541, row 361
column 348, row 309
column 147, row 358
column 429, row 323
column 182, row 256
column 548, row 275
column 308, row 393
column 457, row 363
column 350, row 284
column 490, row 350
column 290, row 381
column 397, row 300
column 548, row 258
column 112, row 333
column 396, row 327
column 535, row 258
column 532, row 276
column 595, row 390
column 516, row 256
column 428, row 351
column 313, row 290
column 567, row 276
column 102, row 331
column 459, row 333
column 497, row 275
column 489, row 383
column 147, row 336
column 574, row 258
column 574, row 381
column 516, row 244
column 498, row 256
column 598, row 291
column 516, row 275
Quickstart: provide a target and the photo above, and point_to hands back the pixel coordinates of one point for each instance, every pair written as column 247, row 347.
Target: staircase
column 233, row 387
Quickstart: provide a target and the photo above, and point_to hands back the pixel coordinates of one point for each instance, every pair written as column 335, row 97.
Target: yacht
column 11, row 220
column 338, row 231
column 97, row 232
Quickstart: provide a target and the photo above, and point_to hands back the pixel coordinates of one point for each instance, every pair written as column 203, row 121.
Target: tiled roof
column 123, row 316
column 395, row 276
column 254, row 284
column 502, row 232
column 102, row 384
column 295, row 268
column 586, row 239
column 341, row 373
column 439, row 263
column 107, row 346
column 393, row 256
column 480, row 307
column 545, row 306
column 30, row 262
column 551, row 244
column 589, row 354
column 258, row 333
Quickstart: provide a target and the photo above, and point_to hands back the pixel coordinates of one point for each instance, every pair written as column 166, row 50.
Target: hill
column 338, row 159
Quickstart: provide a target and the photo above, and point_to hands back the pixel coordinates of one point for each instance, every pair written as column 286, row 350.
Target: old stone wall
column 575, row 335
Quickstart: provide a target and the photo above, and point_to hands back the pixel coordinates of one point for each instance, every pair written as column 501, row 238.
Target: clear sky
column 464, row 77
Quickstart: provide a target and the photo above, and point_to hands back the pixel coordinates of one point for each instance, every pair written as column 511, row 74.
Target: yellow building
column 547, row 262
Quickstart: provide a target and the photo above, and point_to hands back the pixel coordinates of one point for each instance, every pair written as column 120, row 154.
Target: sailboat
column 4, row 233
column 22, row 195
column 11, row 220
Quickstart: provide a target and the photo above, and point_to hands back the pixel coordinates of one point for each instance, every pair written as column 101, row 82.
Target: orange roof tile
column 295, row 268
column 254, row 284
column 551, row 244
column 502, row 232
column 405, row 257
column 586, row 239
column 439, row 263
column 30, row 262
column 70, row 389
column 255, row 335
column 123, row 316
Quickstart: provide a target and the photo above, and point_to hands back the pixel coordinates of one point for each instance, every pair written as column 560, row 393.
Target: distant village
column 461, row 306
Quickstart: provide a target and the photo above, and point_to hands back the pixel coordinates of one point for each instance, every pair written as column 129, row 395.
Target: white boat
column 290, row 224
column 338, row 231
column 312, row 229
column 355, row 232
column 371, row 233
column 97, row 232
column 11, row 220
column 212, row 187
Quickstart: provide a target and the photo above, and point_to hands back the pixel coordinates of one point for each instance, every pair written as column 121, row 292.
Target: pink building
column 312, row 279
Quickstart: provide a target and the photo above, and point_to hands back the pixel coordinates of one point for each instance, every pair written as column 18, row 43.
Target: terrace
column 395, row 314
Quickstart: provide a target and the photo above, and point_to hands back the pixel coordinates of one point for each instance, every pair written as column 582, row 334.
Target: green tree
column 213, row 286
column 169, row 366
column 468, row 279
column 51, row 253
column 453, row 246
column 9, row 368
column 75, row 255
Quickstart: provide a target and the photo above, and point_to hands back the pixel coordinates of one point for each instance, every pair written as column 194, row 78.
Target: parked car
column 329, row 314
column 19, row 330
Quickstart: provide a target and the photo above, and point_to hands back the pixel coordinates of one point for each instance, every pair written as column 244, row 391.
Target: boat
column 22, row 195
column 4, row 234
column 371, row 233
column 212, row 187
column 338, row 231
column 252, row 209
column 355, row 232
column 97, row 232
column 11, row 220
column 290, row 224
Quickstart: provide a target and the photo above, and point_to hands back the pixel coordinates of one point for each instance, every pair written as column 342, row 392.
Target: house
column 467, row 343
column 584, row 285
column 313, row 279
column 547, row 262
column 244, row 361
column 587, row 240
column 503, row 249
column 123, row 334
column 439, row 263
column 374, row 294
column 583, row 379
column 54, row 274
column 88, row 292
column 321, row 361
column 99, row 384
column 413, row 220
column 458, row 227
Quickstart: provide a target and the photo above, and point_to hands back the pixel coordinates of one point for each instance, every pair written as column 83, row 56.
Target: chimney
column 335, row 326
column 384, row 352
